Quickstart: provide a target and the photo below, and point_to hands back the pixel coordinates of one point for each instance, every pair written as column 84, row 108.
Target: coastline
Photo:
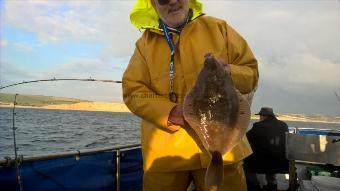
column 81, row 106
column 302, row 118
column 119, row 107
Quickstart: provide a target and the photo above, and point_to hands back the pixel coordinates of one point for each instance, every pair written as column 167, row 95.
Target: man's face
column 174, row 13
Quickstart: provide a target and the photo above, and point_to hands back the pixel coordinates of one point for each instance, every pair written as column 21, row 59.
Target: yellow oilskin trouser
column 233, row 180
column 166, row 148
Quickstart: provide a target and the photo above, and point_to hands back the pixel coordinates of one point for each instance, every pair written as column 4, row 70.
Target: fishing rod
column 336, row 93
column 62, row 79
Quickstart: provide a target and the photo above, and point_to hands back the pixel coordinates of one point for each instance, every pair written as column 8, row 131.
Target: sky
column 297, row 44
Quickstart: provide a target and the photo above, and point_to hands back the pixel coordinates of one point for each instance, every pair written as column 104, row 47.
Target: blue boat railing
column 314, row 131
column 109, row 168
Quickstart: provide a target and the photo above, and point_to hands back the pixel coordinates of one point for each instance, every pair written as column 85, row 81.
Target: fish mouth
column 210, row 62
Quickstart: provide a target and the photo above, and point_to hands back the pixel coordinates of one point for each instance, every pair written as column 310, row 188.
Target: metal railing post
column 292, row 176
column 118, row 154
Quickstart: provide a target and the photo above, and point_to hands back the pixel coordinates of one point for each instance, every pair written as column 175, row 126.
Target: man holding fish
column 186, row 80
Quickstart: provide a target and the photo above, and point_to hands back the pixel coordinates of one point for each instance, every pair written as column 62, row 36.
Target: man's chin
column 176, row 22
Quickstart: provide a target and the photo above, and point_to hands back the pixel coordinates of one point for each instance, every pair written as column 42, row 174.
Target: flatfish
column 218, row 114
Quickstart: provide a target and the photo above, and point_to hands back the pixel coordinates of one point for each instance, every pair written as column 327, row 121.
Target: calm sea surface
column 49, row 131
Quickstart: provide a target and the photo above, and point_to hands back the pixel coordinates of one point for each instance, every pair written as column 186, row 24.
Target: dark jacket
column 267, row 139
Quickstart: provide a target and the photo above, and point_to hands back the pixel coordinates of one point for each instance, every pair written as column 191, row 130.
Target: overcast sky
column 297, row 44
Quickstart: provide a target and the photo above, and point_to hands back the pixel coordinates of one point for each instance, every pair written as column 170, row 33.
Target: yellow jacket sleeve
column 139, row 96
column 243, row 63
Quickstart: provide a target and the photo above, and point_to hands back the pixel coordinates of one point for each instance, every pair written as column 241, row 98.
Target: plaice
column 218, row 114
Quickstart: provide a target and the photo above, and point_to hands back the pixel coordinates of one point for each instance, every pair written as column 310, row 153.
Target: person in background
column 162, row 70
column 267, row 139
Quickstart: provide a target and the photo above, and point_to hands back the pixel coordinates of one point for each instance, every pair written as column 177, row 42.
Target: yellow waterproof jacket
column 146, row 86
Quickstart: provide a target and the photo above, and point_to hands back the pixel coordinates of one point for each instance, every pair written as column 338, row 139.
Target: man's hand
column 176, row 115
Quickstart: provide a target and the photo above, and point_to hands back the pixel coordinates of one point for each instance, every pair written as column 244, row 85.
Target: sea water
column 40, row 131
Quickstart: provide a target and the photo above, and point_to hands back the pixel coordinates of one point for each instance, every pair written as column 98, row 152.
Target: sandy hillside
column 84, row 106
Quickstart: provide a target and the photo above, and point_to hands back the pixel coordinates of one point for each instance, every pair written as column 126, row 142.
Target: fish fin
column 192, row 123
column 239, row 130
column 195, row 137
column 214, row 174
column 244, row 112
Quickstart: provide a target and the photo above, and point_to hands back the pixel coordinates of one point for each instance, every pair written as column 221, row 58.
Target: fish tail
column 214, row 174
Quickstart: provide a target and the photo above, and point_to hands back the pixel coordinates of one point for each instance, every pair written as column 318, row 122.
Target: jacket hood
column 144, row 16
